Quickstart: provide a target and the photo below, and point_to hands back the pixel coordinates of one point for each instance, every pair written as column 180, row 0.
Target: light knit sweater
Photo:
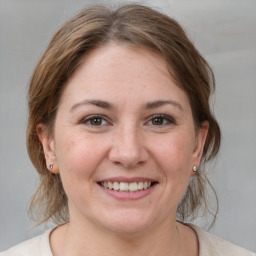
column 209, row 245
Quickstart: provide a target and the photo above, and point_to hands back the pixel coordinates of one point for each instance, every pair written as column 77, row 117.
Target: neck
column 76, row 239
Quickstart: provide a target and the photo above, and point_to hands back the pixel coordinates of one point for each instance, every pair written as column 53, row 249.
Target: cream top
column 209, row 245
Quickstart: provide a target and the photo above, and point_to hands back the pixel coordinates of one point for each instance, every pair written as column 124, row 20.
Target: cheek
column 175, row 153
column 78, row 156
column 174, row 157
column 78, row 160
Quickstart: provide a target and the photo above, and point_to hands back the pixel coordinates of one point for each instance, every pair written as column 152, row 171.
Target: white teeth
column 116, row 186
column 140, row 185
column 125, row 187
column 110, row 185
column 133, row 186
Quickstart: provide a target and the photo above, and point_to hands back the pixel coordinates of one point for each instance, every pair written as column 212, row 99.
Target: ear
column 49, row 148
column 201, row 136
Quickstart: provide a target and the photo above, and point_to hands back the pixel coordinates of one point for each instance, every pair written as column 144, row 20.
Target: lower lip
column 121, row 195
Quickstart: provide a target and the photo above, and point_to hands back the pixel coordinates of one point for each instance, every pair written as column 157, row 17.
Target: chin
column 128, row 222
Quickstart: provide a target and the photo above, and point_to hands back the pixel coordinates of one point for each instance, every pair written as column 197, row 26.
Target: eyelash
column 166, row 120
column 93, row 118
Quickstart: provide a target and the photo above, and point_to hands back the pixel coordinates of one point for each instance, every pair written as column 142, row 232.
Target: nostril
column 128, row 157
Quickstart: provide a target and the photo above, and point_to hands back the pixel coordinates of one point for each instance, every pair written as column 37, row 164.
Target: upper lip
column 127, row 180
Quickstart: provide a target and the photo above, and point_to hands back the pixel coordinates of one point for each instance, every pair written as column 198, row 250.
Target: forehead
column 114, row 57
column 117, row 69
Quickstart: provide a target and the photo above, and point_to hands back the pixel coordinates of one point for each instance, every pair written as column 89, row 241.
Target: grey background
column 224, row 32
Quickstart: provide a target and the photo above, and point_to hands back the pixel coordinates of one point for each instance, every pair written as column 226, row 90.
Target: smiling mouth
column 127, row 186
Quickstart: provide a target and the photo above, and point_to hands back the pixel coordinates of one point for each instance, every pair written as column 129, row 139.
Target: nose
column 128, row 147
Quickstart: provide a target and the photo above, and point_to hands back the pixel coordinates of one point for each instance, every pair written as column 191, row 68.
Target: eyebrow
column 160, row 103
column 107, row 105
column 98, row 103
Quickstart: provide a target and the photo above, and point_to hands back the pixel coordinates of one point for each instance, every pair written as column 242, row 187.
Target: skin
column 125, row 140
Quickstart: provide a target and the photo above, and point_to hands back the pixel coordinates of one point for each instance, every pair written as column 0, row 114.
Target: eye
column 161, row 120
column 95, row 120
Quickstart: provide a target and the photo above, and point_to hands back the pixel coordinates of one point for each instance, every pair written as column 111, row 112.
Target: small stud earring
column 194, row 168
column 51, row 166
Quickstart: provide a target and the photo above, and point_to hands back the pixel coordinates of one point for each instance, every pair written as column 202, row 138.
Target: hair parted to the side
column 137, row 26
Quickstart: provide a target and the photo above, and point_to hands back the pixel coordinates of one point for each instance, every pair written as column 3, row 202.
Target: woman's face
column 124, row 141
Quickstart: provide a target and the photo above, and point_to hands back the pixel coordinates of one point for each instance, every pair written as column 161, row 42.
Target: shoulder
column 210, row 245
column 38, row 245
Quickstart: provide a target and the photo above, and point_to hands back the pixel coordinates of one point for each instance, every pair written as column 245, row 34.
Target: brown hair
column 134, row 25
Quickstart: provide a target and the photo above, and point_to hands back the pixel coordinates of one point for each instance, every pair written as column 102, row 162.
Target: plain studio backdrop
column 224, row 31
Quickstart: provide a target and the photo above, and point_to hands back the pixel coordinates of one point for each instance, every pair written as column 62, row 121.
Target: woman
column 119, row 131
